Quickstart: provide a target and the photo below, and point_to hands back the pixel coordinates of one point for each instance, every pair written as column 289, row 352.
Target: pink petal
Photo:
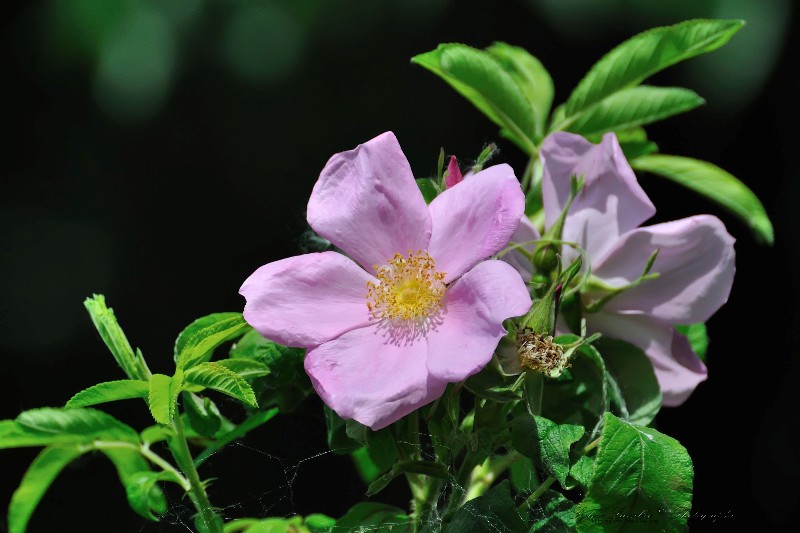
column 367, row 203
column 307, row 299
column 366, row 376
column 611, row 202
column 475, row 307
column 695, row 264
column 677, row 368
column 475, row 219
column 526, row 235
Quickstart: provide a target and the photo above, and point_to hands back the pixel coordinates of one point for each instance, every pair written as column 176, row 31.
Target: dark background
column 159, row 152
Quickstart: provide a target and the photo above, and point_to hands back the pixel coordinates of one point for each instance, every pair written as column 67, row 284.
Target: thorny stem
column 197, row 492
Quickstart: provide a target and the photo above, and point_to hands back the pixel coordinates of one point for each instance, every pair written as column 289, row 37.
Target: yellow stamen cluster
column 539, row 353
column 408, row 288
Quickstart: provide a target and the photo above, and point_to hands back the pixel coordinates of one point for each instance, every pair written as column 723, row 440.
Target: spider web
column 271, row 474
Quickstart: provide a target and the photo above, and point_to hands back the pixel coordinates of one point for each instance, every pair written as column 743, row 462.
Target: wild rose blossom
column 695, row 261
column 423, row 308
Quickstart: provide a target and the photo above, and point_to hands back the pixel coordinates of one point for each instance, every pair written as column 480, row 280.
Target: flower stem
column 591, row 446
column 424, row 489
column 536, row 494
column 483, row 476
column 207, row 519
column 527, row 175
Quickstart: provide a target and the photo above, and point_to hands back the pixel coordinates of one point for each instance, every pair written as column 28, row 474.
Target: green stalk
column 485, row 475
column 527, row 175
column 536, row 494
column 208, row 520
column 424, row 489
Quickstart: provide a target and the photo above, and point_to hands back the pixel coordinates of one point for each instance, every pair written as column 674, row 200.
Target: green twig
column 483, row 476
column 536, row 494
column 209, row 519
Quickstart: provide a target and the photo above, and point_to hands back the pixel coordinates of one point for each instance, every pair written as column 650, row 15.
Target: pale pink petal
column 475, row 307
column 611, row 202
column 368, row 376
column 475, row 219
column 677, row 368
column 526, row 236
column 695, row 264
column 367, row 203
column 307, row 299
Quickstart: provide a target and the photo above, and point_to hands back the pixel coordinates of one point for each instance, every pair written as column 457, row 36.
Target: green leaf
column 198, row 341
column 490, row 384
column 367, row 470
column 634, row 142
column 531, row 77
column 714, row 183
column 266, row 525
column 698, row 338
column 250, row 423
column 427, row 468
column 163, row 396
column 581, row 395
column 496, row 507
column 553, row 513
column 38, row 478
column 582, row 470
column 246, row 368
column 523, row 475
column 356, row 431
column 287, row 385
column 110, row 391
column 533, row 389
column 631, row 377
column 482, row 80
column 379, row 453
column 106, row 323
column 144, row 495
column 373, row 517
column 546, row 442
column 319, row 523
column 643, row 55
column 639, row 473
column 130, row 466
column 428, row 189
column 634, row 107
column 339, row 441
column 216, row 377
column 47, row 425
column 204, row 417
column 156, row 433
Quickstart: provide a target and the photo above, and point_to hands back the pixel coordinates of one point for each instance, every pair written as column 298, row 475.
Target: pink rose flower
column 695, row 259
column 423, row 309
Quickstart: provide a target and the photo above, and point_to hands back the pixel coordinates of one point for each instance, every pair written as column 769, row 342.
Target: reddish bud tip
column 453, row 175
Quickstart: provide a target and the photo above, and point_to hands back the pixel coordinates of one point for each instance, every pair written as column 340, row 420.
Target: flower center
column 408, row 288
